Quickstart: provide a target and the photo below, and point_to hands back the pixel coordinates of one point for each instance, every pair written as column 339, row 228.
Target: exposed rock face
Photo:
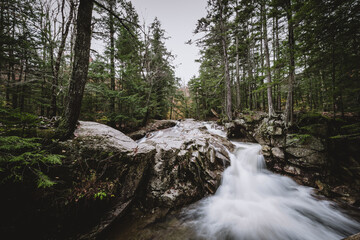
column 110, row 137
column 353, row 237
column 154, row 126
column 168, row 169
column 106, row 163
column 188, row 164
column 307, row 154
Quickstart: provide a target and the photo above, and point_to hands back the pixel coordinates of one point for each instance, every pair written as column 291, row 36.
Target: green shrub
column 20, row 157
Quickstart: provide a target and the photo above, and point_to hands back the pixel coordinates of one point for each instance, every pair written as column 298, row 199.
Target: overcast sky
column 178, row 18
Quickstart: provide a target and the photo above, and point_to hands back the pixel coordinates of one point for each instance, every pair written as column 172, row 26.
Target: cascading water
column 253, row 203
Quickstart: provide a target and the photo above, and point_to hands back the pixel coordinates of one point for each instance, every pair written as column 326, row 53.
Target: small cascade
column 253, row 203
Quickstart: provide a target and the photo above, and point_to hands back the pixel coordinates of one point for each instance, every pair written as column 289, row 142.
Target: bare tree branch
column 121, row 20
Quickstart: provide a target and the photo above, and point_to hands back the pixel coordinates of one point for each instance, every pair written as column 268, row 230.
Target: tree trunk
column 267, row 58
column 228, row 107
column 237, row 84
column 112, row 59
column 262, row 34
column 65, row 31
column 277, row 69
column 2, row 6
column 289, row 109
column 12, row 67
column 80, row 70
column 333, row 68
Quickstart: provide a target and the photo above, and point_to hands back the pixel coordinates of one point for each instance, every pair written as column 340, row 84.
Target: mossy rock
column 297, row 139
column 312, row 118
column 340, row 137
column 351, row 129
column 317, row 129
column 45, row 133
column 248, row 118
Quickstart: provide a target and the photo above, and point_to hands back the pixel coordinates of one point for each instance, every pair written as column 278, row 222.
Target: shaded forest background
column 277, row 55
column 130, row 82
column 283, row 57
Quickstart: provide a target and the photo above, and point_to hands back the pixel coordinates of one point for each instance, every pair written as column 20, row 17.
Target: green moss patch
column 312, row 118
column 298, row 138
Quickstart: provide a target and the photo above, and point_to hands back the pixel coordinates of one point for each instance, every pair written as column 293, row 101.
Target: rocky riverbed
column 167, row 169
column 110, row 181
column 316, row 151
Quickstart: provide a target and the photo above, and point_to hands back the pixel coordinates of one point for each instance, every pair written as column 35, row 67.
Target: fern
column 21, row 155
column 43, row 180
column 15, row 143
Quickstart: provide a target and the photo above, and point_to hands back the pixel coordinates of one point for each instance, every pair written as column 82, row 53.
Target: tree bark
column 333, row 87
column 267, row 58
column 228, row 107
column 64, row 34
column 289, row 109
column 112, row 59
column 237, row 84
column 80, row 70
column 277, row 54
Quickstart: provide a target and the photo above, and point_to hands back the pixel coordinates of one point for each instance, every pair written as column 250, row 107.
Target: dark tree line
column 46, row 59
column 278, row 55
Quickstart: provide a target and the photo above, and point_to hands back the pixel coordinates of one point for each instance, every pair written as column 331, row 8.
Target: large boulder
column 316, row 151
column 353, row 237
column 106, row 169
column 152, row 127
column 168, row 169
column 188, row 165
column 301, row 156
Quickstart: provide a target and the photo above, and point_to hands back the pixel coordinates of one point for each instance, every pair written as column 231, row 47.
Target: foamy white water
column 253, row 203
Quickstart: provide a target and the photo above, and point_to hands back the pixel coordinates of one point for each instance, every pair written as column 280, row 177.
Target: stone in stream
column 108, row 162
column 152, row 127
column 306, row 151
column 353, row 237
column 188, row 164
column 169, row 169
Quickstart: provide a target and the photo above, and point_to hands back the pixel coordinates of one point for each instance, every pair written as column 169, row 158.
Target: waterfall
column 253, row 203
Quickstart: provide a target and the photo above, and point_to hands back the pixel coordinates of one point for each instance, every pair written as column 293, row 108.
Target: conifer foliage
column 130, row 78
column 278, row 55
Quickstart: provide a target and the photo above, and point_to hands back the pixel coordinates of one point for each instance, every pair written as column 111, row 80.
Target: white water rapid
column 255, row 204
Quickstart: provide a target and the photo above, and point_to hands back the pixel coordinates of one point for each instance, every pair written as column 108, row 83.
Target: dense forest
column 275, row 56
column 63, row 61
column 278, row 56
column 128, row 83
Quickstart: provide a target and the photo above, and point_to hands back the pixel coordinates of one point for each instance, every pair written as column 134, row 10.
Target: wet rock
column 266, row 150
column 104, row 160
column 299, row 151
column 292, row 170
column 241, row 122
column 260, row 139
column 154, row 126
column 138, row 134
column 353, row 237
column 315, row 160
column 277, row 141
column 309, row 147
column 270, row 130
column 342, row 190
column 277, row 167
column 238, row 129
column 188, row 165
column 278, row 131
column 305, row 141
column 104, row 137
column 260, row 134
column 229, row 125
column 278, row 153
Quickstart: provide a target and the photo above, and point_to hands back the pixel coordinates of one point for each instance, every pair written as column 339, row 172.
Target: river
column 253, row 203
